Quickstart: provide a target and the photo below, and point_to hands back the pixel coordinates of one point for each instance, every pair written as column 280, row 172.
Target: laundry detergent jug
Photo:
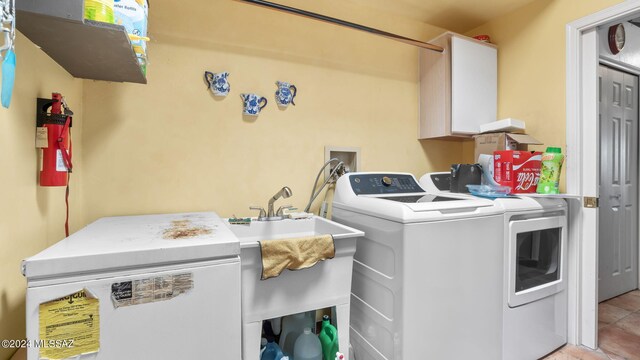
column 328, row 339
column 307, row 346
column 550, row 168
column 292, row 327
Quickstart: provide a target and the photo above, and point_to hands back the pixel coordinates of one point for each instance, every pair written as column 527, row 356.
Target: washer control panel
column 370, row 184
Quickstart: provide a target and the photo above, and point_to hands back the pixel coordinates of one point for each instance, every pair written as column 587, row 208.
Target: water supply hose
column 339, row 168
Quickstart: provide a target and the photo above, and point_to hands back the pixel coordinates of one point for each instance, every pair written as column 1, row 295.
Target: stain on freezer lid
column 181, row 229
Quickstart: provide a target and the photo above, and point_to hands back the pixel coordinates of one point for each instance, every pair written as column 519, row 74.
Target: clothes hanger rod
column 347, row 24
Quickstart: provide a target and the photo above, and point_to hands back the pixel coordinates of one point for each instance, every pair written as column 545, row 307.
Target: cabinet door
column 474, row 85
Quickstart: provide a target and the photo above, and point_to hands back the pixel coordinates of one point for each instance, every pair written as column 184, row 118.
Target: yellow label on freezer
column 70, row 326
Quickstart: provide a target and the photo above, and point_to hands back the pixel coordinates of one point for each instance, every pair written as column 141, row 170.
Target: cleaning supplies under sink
column 307, row 346
column 292, row 327
column 328, row 339
column 271, row 352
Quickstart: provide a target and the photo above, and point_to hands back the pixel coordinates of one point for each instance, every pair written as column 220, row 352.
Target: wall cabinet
column 458, row 88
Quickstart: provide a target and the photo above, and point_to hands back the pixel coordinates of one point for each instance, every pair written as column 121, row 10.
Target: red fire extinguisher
column 56, row 157
column 54, row 120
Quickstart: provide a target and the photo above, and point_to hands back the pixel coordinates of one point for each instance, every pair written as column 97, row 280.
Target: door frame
column 582, row 172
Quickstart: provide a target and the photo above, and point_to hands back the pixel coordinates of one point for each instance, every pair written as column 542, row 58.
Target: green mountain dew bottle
column 552, row 160
column 328, row 339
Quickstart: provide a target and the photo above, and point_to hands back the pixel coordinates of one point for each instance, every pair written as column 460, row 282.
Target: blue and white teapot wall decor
column 285, row 94
column 218, row 83
column 253, row 104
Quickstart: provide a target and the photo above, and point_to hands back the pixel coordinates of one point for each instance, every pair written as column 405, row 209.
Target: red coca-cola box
column 519, row 170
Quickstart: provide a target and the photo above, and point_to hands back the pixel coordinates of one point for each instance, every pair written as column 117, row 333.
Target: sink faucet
column 285, row 192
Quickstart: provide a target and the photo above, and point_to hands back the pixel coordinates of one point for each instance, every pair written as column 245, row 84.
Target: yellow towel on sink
column 294, row 254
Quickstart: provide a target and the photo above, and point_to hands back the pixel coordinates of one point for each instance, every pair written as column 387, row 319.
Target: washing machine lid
column 124, row 242
column 419, row 198
column 421, row 202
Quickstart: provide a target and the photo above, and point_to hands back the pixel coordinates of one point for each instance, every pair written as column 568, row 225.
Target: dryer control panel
column 383, row 183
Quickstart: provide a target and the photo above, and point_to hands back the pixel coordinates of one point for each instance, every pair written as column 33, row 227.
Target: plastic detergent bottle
column 552, row 160
column 99, row 10
column 329, row 339
column 271, row 352
column 292, row 327
column 307, row 347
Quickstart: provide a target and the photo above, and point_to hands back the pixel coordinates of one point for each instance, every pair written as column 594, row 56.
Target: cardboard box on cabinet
column 490, row 142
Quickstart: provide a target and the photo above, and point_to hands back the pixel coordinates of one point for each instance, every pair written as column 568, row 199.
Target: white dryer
column 535, row 277
column 427, row 276
column 535, row 271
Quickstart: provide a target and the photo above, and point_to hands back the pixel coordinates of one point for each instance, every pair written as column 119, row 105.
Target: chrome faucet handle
column 282, row 208
column 262, row 215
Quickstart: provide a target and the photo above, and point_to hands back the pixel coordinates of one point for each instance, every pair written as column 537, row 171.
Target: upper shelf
column 86, row 49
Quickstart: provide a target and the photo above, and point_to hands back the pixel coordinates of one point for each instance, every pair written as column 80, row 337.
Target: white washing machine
column 535, row 271
column 427, row 275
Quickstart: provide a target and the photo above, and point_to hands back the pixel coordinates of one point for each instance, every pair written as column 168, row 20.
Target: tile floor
column 618, row 332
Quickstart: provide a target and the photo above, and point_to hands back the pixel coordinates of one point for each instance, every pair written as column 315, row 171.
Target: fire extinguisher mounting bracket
column 43, row 116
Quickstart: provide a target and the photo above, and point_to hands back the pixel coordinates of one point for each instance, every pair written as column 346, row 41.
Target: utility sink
column 250, row 234
column 326, row 284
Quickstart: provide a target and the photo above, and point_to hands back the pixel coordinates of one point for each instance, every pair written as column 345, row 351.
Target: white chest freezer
column 137, row 287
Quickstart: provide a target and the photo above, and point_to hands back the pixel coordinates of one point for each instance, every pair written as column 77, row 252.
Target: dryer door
column 536, row 263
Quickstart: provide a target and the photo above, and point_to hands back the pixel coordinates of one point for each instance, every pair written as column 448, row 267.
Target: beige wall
column 531, row 64
column 170, row 146
column 31, row 217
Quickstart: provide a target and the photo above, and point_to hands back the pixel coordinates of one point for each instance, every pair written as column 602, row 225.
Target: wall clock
column 617, row 38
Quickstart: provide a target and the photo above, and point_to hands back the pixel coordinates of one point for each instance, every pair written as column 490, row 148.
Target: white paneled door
column 618, row 183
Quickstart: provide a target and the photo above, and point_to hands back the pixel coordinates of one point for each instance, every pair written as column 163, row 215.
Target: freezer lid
column 117, row 243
